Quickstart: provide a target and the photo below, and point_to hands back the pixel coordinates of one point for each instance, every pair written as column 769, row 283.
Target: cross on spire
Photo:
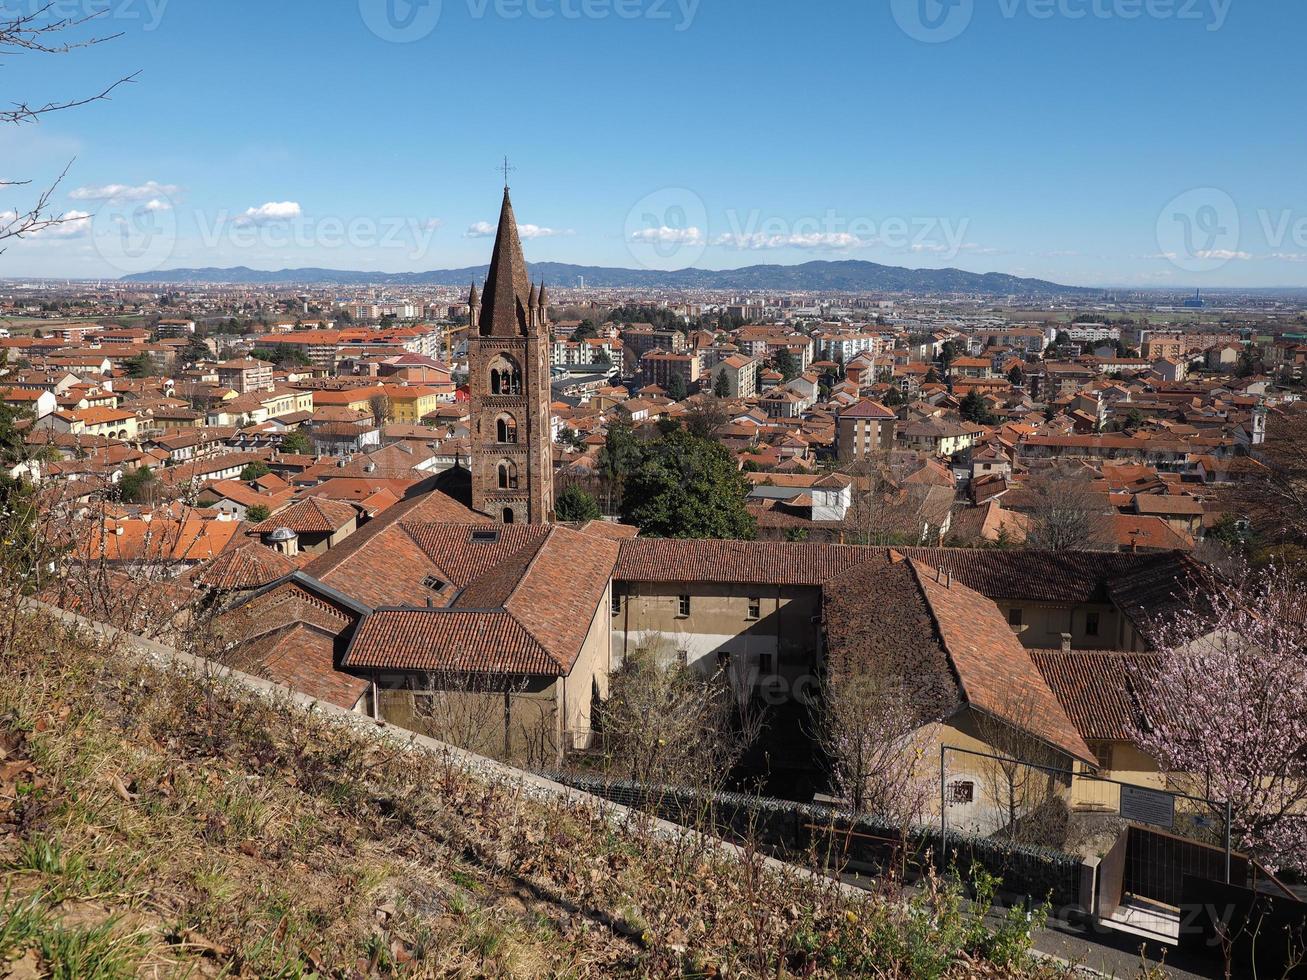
column 506, row 171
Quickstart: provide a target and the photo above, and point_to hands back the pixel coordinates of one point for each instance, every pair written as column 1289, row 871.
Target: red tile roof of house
column 994, row 669
column 313, row 515
column 867, row 409
column 1096, row 688
column 250, row 567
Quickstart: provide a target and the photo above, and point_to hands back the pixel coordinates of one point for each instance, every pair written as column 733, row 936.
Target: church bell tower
column 508, row 376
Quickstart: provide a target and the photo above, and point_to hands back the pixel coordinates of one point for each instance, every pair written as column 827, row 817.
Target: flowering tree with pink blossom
column 1225, row 715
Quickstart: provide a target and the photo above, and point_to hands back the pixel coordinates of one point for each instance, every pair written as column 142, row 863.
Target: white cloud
column 157, row 204
column 668, row 236
column 535, row 231
column 73, row 224
column 272, row 211
column 121, row 193
column 1223, row 255
column 818, row 240
column 1289, row 256
column 484, row 229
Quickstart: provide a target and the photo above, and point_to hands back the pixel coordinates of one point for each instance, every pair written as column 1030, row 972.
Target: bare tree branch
column 42, row 32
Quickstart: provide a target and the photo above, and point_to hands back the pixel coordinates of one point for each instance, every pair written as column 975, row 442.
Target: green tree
column 721, row 386
column 575, row 506
column 676, row 389
column 257, row 514
column 893, row 398
column 786, row 364
column 296, row 442
column 948, row 353
column 141, row 366
column 135, row 486
column 255, row 470
column 686, row 487
column 1016, row 376
column 975, row 409
column 585, row 331
column 282, row 355
column 622, row 452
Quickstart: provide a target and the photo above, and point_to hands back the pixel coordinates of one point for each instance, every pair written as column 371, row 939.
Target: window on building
column 683, row 605
column 755, row 609
column 963, row 791
column 1091, row 624
column 508, row 475
column 683, row 657
column 506, row 429
column 617, row 602
column 1014, row 617
column 766, row 664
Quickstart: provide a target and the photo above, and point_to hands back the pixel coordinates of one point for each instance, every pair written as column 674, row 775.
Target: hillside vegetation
column 158, row 822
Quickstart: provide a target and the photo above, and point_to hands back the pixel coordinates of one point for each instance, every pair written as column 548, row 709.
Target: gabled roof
column 994, row 669
column 521, row 599
column 867, row 409
column 313, row 515
column 251, row 566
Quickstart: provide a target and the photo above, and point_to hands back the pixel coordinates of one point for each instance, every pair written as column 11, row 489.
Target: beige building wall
column 1041, row 625
column 783, row 640
column 589, row 677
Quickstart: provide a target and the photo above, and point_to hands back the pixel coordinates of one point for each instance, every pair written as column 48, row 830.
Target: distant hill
column 846, row 276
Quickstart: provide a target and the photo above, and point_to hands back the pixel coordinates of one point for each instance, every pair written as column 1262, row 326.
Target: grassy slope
column 156, row 824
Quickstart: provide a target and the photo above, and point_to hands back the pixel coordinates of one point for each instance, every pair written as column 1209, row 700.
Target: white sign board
column 1148, row 806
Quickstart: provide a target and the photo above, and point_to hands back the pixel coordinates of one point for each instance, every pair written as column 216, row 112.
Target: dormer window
column 485, row 537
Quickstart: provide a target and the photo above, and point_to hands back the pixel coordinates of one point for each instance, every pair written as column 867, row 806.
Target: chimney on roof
column 1066, row 642
column 948, row 580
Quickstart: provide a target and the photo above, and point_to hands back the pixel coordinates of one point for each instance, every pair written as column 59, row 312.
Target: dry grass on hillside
column 156, row 823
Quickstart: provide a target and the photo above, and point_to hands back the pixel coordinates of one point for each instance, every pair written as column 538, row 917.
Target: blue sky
column 1121, row 142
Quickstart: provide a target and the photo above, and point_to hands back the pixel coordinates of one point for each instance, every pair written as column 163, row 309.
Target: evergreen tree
column 676, row 389
column 721, row 386
column 687, row 487
column 785, row 363
column 975, row 409
column 575, row 506
column 296, row 442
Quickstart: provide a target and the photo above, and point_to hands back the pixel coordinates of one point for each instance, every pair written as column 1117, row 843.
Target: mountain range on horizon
column 840, row 276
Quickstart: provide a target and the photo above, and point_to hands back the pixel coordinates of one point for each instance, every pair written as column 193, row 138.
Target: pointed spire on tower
column 533, row 300
column 504, row 308
column 542, row 301
column 473, row 307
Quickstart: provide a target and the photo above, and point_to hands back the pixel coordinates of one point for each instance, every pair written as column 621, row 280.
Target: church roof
column 507, row 295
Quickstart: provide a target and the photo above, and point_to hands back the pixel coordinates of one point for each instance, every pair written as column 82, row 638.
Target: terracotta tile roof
column 313, row 515
column 302, row 656
column 762, row 562
column 867, row 409
column 1157, row 588
column 525, row 603
column 474, row 642
column 1096, row 688
column 250, row 567
column 993, row 668
column 1154, row 533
